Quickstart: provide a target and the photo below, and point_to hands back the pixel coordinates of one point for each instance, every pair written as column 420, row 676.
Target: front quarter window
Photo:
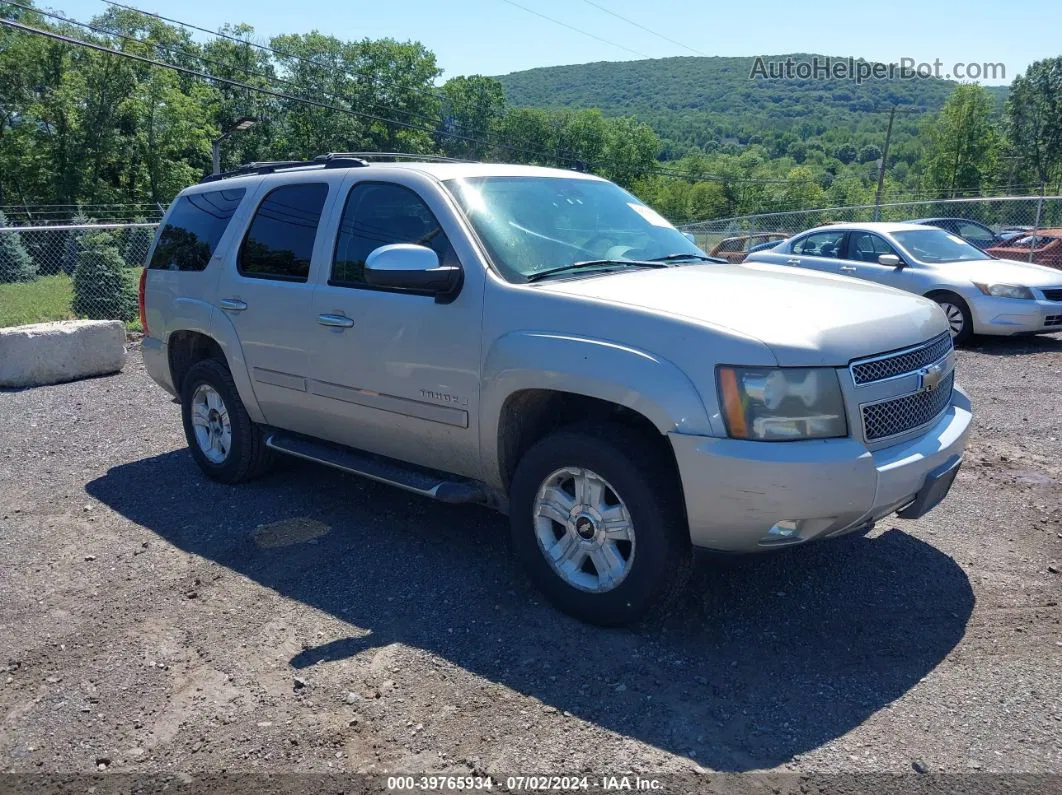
column 532, row 224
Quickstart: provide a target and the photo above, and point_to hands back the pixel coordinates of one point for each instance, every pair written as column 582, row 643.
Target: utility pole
column 881, row 168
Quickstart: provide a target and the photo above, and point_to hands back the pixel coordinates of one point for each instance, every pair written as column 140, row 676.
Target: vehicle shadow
column 767, row 657
column 1016, row 346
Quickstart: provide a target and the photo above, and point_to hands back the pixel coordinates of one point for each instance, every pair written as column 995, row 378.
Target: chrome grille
column 895, row 416
column 1054, row 294
column 1053, row 320
column 908, row 361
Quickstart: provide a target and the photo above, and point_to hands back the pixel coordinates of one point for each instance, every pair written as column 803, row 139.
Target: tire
column 241, row 454
column 633, row 474
column 957, row 312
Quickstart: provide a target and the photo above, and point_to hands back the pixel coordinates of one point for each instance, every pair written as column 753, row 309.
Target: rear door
column 266, row 293
column 818, row 251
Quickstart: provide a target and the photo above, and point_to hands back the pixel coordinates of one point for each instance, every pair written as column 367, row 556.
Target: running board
column 425, row 482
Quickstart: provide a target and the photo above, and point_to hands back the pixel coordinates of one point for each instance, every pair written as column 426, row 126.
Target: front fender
column 641, row 381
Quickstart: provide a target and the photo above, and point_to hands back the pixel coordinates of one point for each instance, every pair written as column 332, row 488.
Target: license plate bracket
column 934, row 489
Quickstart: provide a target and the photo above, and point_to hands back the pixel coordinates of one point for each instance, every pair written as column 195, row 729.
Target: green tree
column 471, row 108
column 847, row 153
column 102, row 289
column 16, row 265
column 869, row 153
column 1034, row 117
column 963, row 144
column 630, row 150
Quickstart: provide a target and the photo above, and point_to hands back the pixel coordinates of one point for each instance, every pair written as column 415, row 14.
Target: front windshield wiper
column 595, row 263
column 682, row 255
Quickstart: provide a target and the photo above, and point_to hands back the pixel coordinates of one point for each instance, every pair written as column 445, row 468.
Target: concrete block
column 50, row 353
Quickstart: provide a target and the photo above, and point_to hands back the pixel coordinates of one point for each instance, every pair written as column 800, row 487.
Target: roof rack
column 271, row 166
column 394, row 156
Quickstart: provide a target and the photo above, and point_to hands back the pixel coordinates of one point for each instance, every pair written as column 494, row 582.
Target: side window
column 820, row 244
column 279, row 243
column 974, row 232
column 379, row 214
column 865, row 247
column 194, row 229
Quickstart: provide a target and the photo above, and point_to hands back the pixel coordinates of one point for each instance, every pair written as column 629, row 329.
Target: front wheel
column 224, row 441
column 960, row 323
column 598, row 523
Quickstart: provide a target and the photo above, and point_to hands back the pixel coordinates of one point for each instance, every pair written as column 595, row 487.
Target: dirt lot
column 152, row 621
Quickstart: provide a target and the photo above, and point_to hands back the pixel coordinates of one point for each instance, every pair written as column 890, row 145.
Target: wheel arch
column 185, row 347
column 536, row 383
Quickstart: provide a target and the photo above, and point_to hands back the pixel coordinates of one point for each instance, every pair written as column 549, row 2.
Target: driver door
column 861, row 260
column 396, row 372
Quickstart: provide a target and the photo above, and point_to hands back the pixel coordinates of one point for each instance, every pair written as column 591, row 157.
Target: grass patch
column 46, row 298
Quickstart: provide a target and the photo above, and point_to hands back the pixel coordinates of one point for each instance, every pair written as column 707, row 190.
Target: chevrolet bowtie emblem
column 929, row 377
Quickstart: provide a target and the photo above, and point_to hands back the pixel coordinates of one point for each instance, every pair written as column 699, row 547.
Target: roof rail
column 270, row 166
column 393, row 156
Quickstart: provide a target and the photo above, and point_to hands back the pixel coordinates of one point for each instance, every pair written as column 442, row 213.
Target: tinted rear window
column 194, row 229
column 279, row 243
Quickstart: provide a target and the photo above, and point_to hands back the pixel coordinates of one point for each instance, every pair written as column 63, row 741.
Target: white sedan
column 979, row 293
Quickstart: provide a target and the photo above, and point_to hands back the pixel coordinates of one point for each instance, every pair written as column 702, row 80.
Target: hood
column 1004, row 271
column 805, row 318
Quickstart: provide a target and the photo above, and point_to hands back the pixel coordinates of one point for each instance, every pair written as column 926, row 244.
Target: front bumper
column 993, row 315
column 737, row 491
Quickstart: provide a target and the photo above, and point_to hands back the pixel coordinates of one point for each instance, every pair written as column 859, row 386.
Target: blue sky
column 494, row 37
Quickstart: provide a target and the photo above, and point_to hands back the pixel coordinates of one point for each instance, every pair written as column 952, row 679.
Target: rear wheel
column 224, row 441
column 598, row 524
column 958, row 314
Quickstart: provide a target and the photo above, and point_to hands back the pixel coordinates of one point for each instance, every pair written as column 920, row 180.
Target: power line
column 245, row 42
column 327, row 106
column 258, row 89
column 577, row 30
column 248, row 72
column 610, row 12
column 471, row 134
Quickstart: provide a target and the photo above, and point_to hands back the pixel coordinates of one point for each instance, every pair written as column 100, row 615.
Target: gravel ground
column 152, row 621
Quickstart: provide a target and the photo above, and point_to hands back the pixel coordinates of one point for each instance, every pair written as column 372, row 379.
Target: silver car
column 979, row 293
column 543, row 342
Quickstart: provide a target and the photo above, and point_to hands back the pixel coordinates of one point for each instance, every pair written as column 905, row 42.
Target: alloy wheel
column 211, row 424
column 584, row 529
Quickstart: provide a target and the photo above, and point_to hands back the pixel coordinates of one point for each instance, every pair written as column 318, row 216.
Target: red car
column 735, row 249
column 1046, row 246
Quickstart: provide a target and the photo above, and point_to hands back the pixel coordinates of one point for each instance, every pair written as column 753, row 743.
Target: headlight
column 777, row 404
column 1005, row 290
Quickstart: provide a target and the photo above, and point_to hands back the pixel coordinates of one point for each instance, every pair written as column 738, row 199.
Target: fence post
column 1036, row 223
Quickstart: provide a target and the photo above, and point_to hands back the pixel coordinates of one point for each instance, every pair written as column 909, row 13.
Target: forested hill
column 691, row 101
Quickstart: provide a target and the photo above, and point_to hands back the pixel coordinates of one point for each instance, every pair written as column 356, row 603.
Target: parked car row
column 978, row 293
column 1009, row 242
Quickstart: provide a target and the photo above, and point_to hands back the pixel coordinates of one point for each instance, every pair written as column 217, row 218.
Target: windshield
column 534, row 224
column 935, row 246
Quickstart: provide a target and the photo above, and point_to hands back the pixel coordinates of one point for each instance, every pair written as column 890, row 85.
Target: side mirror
column 891, row 260
column 690, row 237
column 407, row 266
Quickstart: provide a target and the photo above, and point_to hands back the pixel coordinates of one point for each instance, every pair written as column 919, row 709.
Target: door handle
column 233, row 304
column 335, row 321
column 848, row 268
column 792, row 262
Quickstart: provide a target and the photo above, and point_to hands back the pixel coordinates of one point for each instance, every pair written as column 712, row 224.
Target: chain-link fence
column 1024, row 228
column 58, row 272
